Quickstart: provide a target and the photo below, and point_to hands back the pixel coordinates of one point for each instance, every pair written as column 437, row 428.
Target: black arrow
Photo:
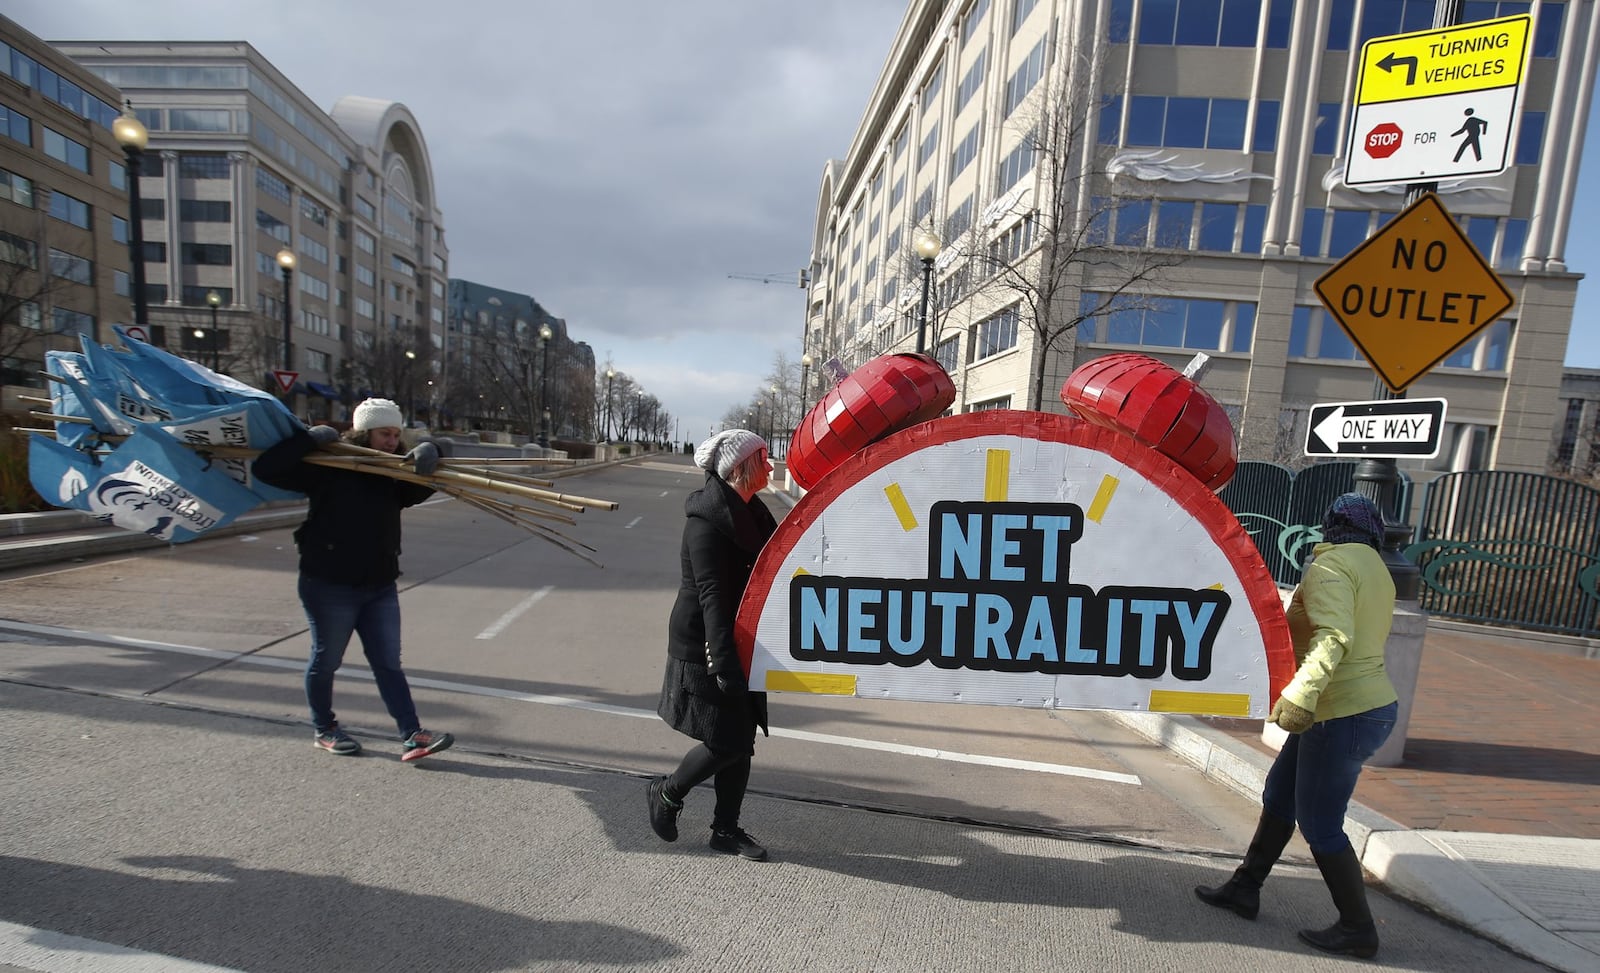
column 1390, row 62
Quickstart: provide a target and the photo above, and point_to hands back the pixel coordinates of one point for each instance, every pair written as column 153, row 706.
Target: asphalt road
column 165, row 796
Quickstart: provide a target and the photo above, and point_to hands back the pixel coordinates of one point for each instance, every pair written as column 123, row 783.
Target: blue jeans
column 335, row 611
column 1315, row 774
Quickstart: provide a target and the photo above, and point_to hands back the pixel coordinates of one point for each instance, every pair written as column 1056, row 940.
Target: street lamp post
column 131, row 134
column 286, row 262
column 927, row 246
column 545, row 334
column 605, row 433
column 805, row 379
column 214, row 301
column 411, row 388
column 772, row 413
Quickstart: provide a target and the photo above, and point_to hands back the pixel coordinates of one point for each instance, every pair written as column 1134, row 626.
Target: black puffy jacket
column 721, row 538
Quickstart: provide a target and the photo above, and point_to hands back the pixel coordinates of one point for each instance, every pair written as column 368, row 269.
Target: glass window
column 1547, row 29
column 1300, row 331
column 1265, row 138
column 1226, row 127
column 1163, row 323
column 971, row 19
column 1511, row 244
column 119, row 229
column 1186, row 123
column 1325, row 138
column 1202, row 328
column 1146, row 119
column 1335, row 343
column 1498, row 341
column 1133, row 223
column 1349, row 229
column 1216, row 226
column 203, row 167
column 1481, row 231
column 1311, row 234
column 1111, row 120
column 1123, row 327
column 1174, row 220
column 1280, row 17
column 1244, row 326
column 1197, row 22
column 1019, row 13
column 16, row 125
column 69, row 266
column 1120, row 26
column 1255, row 228
column 69, row 209
column 18, row 189
column 1239, row 20
column 1157, row 20
column 1530, row 138
column 970, row 82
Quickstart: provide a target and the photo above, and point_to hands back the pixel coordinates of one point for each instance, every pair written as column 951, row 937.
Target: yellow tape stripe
column 820, row 683
column 799, row 571
column 1216, row 587
column 1102, row 498
column 1210, row 704
column 997, row 476
column 902, row 510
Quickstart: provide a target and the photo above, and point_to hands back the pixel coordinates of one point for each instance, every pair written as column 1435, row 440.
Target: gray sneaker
column 335, row 740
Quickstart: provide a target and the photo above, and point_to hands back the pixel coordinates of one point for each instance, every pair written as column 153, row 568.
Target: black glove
column 323, row 435
column 732, row 684
column 425, row 458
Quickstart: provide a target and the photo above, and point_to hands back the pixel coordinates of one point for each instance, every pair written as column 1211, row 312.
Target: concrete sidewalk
column 1492, row 820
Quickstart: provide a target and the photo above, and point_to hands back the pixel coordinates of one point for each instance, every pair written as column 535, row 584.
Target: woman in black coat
column 704, row 693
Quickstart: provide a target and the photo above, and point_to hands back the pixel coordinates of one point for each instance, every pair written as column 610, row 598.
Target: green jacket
column 1339, row 619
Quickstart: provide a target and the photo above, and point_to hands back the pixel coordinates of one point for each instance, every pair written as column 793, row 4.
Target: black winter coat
column 722, row 535
column 351, row 534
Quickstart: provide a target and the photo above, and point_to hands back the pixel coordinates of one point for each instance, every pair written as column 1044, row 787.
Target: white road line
column 515, row 613
column 54, row 952
column 51, row 574
column 632, row 522
column 567, row 702
column 665, row 492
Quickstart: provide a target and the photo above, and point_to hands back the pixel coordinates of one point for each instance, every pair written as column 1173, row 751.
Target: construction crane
column 804, row 277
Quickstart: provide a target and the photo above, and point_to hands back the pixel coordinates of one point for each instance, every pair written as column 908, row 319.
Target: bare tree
column 1065, row 261
column 27, row 290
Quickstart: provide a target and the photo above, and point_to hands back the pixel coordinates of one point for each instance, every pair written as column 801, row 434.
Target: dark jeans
column 335, row 612
column 1315, row 774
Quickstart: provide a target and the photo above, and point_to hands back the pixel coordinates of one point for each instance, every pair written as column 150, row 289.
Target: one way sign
column 1388, row 428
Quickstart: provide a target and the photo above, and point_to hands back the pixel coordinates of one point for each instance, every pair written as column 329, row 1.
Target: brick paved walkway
column 1504, row 738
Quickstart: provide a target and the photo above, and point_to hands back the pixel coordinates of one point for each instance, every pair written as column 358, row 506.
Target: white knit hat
column 726, row 450
column 376, row 414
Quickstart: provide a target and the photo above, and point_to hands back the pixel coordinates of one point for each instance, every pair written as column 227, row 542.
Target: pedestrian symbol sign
column 1413, row 294
column 1437, row 104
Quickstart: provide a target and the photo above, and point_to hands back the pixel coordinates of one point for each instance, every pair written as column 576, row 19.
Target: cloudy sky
column 617, row 160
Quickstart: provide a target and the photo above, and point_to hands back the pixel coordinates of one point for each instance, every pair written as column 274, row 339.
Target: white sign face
column 1017, row 559
column 1437, row 104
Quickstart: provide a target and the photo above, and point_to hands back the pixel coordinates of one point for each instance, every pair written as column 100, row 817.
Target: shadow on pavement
column 1501, row 760
column 211, row 910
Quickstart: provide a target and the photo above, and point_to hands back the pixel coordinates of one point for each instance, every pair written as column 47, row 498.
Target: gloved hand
column 425, row 458
column 1295, row 719
column 732, row 684
column 324, row 435
column 446, row 446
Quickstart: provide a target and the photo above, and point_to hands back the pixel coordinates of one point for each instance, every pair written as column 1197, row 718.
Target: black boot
column 1242, row 892
column 1354, row 934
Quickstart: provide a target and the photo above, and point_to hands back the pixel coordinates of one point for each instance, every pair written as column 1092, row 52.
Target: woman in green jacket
column 1339, row 709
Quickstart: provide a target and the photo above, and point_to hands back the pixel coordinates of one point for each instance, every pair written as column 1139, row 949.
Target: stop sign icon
column 1383, row 140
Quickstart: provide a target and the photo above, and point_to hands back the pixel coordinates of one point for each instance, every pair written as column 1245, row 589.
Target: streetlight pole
column 286, row 262
column 545, row 334
column 214, row 301
column 605, row 433
column 805, row 379
column 411, row 387
column 131, row 134
column 772, row 413
column 927, row 246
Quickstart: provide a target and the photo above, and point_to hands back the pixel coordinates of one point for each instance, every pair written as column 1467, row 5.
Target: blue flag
column 60, row 474
column 155, row 485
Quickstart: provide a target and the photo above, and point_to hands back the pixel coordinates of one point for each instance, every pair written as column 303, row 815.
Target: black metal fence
column 1282, row 510
column 1517, row 549
column 1514, row 549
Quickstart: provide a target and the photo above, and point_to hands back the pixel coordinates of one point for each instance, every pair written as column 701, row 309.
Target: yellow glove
column 1295, row 719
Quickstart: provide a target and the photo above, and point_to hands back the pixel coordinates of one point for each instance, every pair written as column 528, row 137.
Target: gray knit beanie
column 722, row 453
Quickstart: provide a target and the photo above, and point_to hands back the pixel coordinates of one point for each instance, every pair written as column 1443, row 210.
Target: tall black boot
column 1354, row 934
column 1242, row 892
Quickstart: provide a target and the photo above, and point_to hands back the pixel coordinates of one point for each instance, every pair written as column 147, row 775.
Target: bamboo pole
column 82, row 420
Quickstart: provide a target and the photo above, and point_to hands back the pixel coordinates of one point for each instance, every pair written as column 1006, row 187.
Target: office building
column 241, row 167
column 63, row 211
column 504, row 375
column 1188, row 157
